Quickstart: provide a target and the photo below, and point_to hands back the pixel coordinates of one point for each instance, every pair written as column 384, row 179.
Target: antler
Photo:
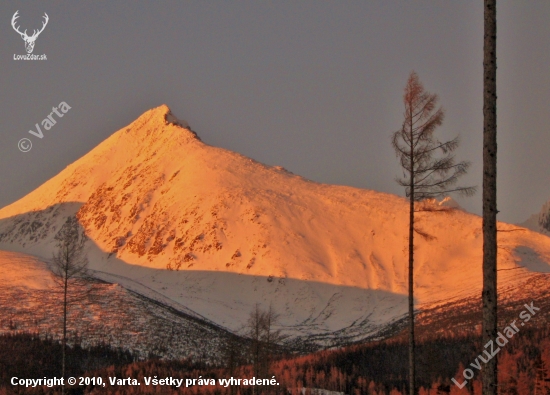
column 36, row 33
column 24, row 34
column 15, row 16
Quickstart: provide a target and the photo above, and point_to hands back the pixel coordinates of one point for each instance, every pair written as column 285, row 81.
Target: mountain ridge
column 165, row 209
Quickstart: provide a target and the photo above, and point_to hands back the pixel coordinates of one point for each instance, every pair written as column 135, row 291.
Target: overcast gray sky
column 314, row 86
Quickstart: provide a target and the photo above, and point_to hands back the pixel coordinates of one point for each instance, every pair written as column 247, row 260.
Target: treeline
column 381, row 368
column 377, row 368
column 27, row 355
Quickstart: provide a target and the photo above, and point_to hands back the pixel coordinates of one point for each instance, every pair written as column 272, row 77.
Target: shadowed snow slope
column 218, row 232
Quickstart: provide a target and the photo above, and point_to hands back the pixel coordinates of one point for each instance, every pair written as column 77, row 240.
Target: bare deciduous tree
column 233, row 355
column 489, row 293
column 265, row 339
column 426, row 175
column 69, row 267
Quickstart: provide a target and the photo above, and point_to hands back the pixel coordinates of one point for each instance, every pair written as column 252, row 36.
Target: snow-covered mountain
column 214, row 232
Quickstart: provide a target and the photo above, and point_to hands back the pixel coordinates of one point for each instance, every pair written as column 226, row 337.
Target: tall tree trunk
column 489, row 294
column 64, row 342
column 412, row 369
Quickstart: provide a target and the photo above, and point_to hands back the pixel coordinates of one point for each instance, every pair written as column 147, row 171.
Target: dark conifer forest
column 378, row 367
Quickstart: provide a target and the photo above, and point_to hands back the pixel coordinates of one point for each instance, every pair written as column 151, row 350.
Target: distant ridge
column 539, row 222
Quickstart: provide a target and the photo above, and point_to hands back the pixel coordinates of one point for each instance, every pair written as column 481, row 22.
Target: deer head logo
column 29, row 40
